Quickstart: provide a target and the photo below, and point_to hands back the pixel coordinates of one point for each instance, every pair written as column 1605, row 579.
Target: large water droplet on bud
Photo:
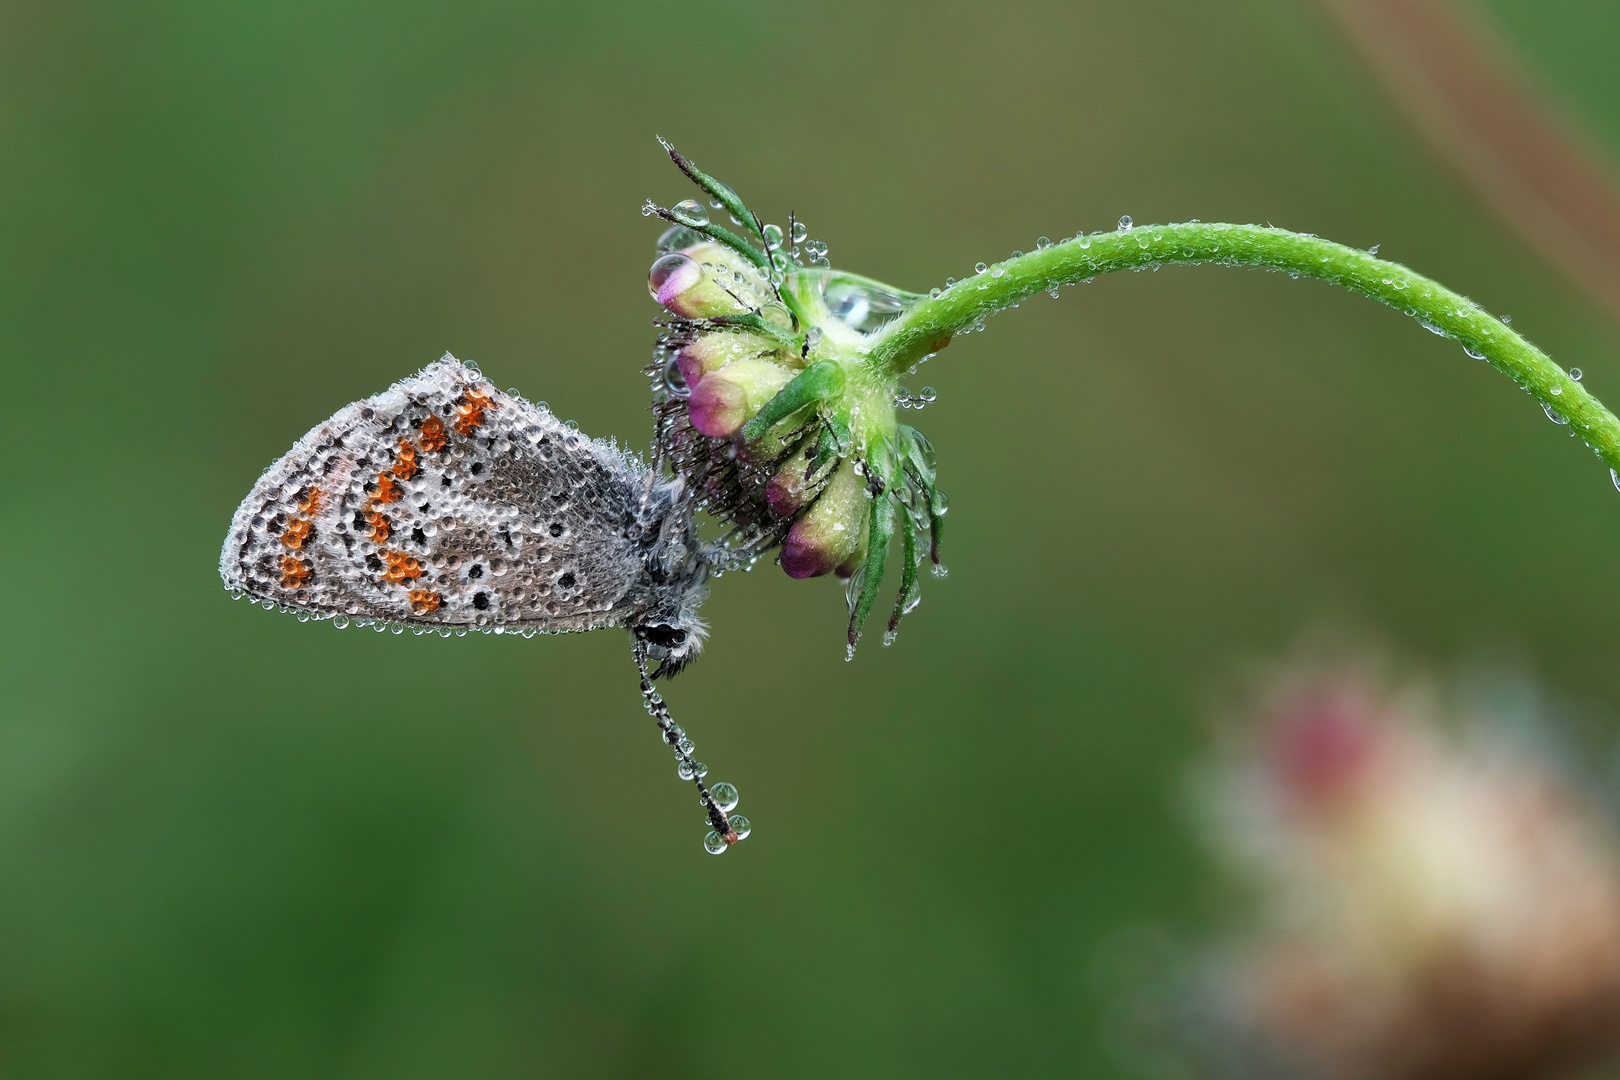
column 667, row 267
column 863, row 306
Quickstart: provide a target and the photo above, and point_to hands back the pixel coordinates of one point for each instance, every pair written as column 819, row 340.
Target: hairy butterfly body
column 445, row 504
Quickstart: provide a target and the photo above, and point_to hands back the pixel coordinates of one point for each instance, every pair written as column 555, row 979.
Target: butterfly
column 446, row 505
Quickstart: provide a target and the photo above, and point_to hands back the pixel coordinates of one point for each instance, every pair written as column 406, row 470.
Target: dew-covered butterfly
column 444, row 505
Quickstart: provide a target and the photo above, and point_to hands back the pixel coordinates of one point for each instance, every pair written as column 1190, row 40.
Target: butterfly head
column 674, row 639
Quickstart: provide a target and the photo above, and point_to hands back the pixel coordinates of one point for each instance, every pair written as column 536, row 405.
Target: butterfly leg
column 688, row 768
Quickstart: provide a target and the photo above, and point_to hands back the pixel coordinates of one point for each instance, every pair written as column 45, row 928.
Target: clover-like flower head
column 767, row 405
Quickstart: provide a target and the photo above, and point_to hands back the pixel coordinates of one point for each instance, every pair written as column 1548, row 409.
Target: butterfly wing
column 444, row 502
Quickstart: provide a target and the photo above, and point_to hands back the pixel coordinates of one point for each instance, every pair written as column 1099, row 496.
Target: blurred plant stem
column 1466, row 91
column 966, row 304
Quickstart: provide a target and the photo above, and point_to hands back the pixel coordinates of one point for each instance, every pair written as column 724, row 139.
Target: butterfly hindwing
column 444, row 502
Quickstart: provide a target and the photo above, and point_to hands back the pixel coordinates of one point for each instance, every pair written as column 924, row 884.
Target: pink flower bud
column 722, row 403
column 789, row 488
column 679, row 282
column 717, row 348
column 831, row 530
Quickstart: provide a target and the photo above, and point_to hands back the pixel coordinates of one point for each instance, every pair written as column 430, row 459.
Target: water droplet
column 1557, row 391
column 940, row 503
column 1615, row 476
column 665, row 268
column 979, row 267
column 1554, row 415
column 1575, row 374
column 928, row 393
column 777, row 315
column 1471, row 352
column 725, row 795
column 861, row 305
column 812, row 336
column 715, row 844
column 1017, row 254
column 691, row 212
column 678, row 236
column 889, row 637
column 799, row 232
column 1085, row 241
column 1042, row 242
column 940, row 570
column 1507, row 320
column 935, row 293
column 849, row 653
column 1125, row 223
column 1374, row 249
column 773, row 237
column 1433, row 329
column 741, row 826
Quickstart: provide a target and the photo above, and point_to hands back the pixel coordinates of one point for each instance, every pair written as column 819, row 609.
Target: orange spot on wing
column 405, row 464
column 309, row 501
column 424, row 602
column 401, row 567
column 296, row 534
column 295, row 573
column 470, row 414
column 387, row 491
column 380, row 526
column 433, row 437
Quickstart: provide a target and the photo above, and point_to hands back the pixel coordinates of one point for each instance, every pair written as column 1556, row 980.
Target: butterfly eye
column 662, row 635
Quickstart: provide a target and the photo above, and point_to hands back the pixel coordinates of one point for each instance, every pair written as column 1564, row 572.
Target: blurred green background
column 220, row 857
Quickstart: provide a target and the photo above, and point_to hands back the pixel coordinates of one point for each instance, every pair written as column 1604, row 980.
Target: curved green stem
column 929, row 324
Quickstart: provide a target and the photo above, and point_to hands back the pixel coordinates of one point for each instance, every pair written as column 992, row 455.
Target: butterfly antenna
column 727, row 829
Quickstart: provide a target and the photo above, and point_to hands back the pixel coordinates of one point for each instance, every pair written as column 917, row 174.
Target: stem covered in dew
column 925, row 326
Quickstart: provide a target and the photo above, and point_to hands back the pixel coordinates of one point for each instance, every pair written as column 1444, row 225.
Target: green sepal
column 916, row 455
column 751, row 321
column 818, row 382
column 910, row 588
column 728, row 198
column 936, row 525
column 918, row 460
column 826, row 448
column 877, row 550
column 720, row 235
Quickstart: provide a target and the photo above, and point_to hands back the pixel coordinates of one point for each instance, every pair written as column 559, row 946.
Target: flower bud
column 722, row 403
column 715, row 349
column 679, row 282
column 790, row 487
column 831, row 530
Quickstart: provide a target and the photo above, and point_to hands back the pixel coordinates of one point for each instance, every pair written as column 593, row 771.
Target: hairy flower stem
column 931, row 322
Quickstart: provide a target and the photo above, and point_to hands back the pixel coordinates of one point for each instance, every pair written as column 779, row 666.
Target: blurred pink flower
column 1435, row 902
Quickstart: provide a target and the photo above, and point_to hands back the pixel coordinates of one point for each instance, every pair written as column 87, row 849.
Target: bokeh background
column 234, row 845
